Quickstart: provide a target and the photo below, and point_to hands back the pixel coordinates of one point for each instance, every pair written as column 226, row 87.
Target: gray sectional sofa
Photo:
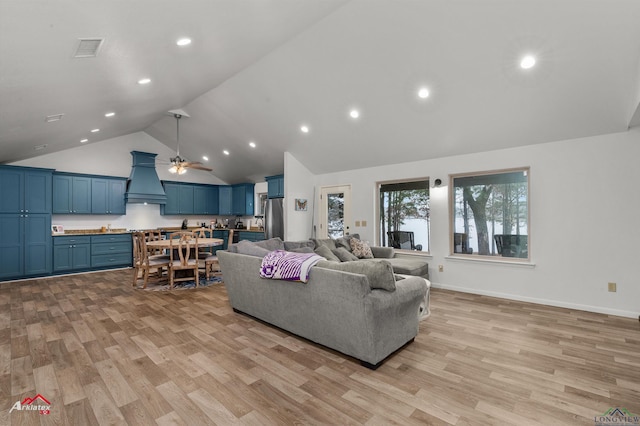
column 361, row 309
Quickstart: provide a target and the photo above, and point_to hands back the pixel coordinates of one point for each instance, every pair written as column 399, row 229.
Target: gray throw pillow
column 290, row 245
column 379, row 272
column 344, row 255
column 325, row 252
column 328, row 242
column 344, row 242
column 251, row 249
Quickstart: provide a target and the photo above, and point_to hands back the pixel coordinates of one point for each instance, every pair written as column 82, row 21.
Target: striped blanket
column 289, row 266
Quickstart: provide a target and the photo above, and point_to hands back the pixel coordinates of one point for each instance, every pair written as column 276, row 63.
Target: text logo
column 37, row 403
column 617, row 416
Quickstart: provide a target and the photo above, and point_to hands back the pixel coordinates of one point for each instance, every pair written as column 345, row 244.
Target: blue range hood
column 144, row 185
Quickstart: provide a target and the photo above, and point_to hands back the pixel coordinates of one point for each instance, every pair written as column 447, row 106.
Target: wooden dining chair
column 182, row 258
column 144, row 261
column 154, row 235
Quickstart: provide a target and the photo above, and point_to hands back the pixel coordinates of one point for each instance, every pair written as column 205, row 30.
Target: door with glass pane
column 335, row 211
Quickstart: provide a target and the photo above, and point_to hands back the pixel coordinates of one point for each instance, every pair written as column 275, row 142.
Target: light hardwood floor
column 104, row 353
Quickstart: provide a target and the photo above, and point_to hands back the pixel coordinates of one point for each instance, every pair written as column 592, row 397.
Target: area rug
column 182, row 285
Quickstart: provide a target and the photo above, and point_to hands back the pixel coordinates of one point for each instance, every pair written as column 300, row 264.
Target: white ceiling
column 258, row 69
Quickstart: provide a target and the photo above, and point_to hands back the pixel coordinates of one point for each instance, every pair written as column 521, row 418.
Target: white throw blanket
column 289, row 266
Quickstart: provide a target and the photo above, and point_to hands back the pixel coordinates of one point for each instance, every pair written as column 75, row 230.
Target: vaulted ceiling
column 257, row 70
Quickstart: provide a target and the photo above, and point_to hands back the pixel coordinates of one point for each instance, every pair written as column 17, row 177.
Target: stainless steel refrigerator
column 274, row 218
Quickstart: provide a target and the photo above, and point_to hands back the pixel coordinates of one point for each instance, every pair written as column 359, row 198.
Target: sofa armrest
column 383, row 252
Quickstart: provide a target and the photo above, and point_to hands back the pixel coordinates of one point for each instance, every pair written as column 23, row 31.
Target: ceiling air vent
column 88, row 47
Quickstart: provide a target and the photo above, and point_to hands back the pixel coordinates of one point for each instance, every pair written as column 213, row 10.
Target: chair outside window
column 461, row 243
column 509, row 245
column 183, row 248
column 403, row 240
column 142, row 260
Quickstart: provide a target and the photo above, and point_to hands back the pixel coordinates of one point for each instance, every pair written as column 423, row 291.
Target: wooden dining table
column 202, row 242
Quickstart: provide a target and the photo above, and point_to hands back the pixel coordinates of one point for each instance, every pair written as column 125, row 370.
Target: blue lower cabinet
column 25, row 247
column 224, row 235
column 71, row 253
column 250, row 236
column 111, row 250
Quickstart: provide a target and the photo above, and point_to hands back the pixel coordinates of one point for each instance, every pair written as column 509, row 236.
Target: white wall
column 584, row 221
column 112, row 157
column 298, row 183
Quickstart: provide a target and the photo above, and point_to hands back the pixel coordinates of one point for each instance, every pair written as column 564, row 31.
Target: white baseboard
column 556, row 303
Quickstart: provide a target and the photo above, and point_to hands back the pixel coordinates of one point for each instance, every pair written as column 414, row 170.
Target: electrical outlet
column 613, row 287
column 364, row 223
column 440, row 268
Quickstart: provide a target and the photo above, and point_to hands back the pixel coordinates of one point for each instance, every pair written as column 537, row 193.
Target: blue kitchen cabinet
column 250, row 236
column 205, row 199
column 224, row 235
column 25, row 246
column 242, row 197
column 107, row 195
column 111, row 250
column 25, row 190
column 225, row 205
column 71, row 253
column 71, row 194
column 275, row 186
column 180, row 198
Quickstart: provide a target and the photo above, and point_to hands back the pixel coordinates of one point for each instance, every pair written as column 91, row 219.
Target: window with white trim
column 404, row 215
column 491, row 214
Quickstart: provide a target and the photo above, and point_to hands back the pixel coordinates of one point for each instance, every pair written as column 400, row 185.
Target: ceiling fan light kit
column 178, row 164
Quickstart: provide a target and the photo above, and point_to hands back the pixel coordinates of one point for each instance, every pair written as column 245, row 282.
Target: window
column 404, row 215
column 491, row 214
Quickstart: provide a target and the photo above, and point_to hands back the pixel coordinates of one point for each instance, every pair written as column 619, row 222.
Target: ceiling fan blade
column 198, row 166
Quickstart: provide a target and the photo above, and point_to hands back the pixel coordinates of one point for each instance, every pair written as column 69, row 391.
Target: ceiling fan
column 178, row 164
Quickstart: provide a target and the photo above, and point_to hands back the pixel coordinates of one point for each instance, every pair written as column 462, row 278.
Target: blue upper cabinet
column 71, row 194
column 205, row 199
column 107, row 195
column 275, row 186
column 180, row 198
column 25, row 190
column 225, row 195
column 242, row 196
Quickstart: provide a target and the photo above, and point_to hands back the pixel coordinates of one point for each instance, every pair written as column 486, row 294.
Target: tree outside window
column 404, row 215
column 491, row 214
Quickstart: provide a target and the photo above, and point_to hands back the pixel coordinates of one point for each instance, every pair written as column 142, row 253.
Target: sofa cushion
column 301, row 250
column 325, row 252
column 360, row 249
column 344, row 255
column 271, row 244
column 408, row 266
column 291, row 245
column 328, row 242
column 379, row 272
column 250, row 248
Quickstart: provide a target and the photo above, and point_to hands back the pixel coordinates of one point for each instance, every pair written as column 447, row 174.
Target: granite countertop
column 91, row 232
column 191, row 228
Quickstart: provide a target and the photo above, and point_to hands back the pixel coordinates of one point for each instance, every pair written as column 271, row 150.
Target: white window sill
column 489, row 260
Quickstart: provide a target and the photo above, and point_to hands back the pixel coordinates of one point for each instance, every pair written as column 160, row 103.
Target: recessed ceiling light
column 527, row 62
column 205, row 158
column 110, row 114
column 144, row 81
column 423, row 93
column 184, row 42
column 52, row 118
column 95, row 130
column 252, row 144
column 225, row 152
column 84, row 140
column 354, row 113
column 304, row 129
